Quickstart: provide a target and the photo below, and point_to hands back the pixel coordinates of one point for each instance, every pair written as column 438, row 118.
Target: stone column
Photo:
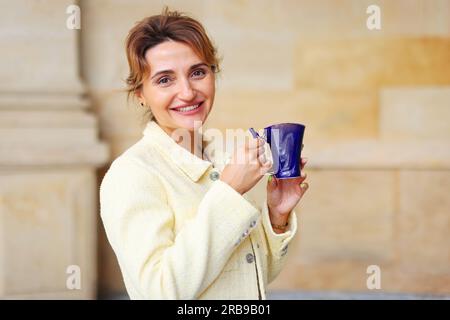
column 49, row 152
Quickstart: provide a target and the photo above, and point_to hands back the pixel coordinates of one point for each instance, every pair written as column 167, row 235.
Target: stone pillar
column 49, row 152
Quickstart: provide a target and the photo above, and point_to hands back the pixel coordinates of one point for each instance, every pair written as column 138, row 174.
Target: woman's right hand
column 247, row 167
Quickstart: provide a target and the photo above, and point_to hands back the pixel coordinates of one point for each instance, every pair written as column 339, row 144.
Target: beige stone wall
column 375, row 105
column 49, row 153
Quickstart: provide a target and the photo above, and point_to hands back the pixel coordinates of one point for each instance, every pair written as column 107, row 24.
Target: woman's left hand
column 284, row 194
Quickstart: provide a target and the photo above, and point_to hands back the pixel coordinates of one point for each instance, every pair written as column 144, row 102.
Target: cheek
column 158, row 99
column 210, row 88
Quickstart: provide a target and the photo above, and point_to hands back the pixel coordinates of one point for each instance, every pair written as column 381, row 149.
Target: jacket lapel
column 193, row 166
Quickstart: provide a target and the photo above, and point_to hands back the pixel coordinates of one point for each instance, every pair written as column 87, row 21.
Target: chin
column 190, row 122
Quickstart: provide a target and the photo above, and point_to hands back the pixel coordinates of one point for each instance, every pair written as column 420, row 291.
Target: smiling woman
column 181, row 226
column 172, row 69
column 180, row 89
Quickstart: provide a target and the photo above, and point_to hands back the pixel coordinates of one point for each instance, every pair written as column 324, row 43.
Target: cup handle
column 254, row 133
column 267, row 151
column 269, row 157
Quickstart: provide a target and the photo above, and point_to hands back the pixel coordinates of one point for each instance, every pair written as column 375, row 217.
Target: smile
column 188, row 109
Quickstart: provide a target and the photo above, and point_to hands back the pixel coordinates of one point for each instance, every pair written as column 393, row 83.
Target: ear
column 139, row 95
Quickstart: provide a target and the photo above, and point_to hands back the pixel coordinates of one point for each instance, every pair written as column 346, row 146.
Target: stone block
column 48, row 224
column 423, row 222
column 372, row 63
column 347, row 215
column 415, row 113
column 327, row 114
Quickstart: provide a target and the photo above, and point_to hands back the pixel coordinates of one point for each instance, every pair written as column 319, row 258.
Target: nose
column 186, row 92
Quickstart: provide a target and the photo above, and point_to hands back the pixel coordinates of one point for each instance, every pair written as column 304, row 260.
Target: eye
column 163, row 80
column 199, row 73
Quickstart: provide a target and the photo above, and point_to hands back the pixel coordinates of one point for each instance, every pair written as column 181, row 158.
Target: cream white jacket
column 179, row 232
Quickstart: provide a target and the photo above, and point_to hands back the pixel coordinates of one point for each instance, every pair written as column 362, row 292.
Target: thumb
column 272, row 181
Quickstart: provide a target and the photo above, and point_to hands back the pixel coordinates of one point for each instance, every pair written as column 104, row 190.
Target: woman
column 185, row 229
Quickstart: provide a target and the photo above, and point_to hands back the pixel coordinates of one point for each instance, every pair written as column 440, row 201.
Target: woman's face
column 179, row 80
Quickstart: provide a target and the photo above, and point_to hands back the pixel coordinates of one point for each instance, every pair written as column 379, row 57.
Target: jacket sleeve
column 277, row 243
column 139, row 224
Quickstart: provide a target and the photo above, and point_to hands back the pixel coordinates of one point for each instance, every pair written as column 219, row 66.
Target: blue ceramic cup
column 285, row 141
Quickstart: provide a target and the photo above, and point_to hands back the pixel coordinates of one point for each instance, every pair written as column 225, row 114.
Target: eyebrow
column 171, row 71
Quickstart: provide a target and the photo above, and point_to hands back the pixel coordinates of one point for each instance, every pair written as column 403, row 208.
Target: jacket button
column 249, row 258
column 214, row 175
column 252, row 224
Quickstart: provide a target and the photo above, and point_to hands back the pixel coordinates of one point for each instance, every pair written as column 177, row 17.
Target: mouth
column 188, row 110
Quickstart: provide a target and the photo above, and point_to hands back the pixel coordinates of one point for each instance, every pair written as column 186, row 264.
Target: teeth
column 188, row 108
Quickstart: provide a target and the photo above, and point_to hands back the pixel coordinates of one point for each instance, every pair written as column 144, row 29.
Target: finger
column 303, row 161
column 243, row 143
column 302, row 176
column 255, row 143
column 265, row 168
column 251, row 143
column 262, row 159
column 303, row 187
column 261, row 142
column 272, row 182
column 254, row 155
column 261, row 150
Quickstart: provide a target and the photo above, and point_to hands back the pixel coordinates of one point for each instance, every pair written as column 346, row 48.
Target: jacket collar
column 193, row 166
